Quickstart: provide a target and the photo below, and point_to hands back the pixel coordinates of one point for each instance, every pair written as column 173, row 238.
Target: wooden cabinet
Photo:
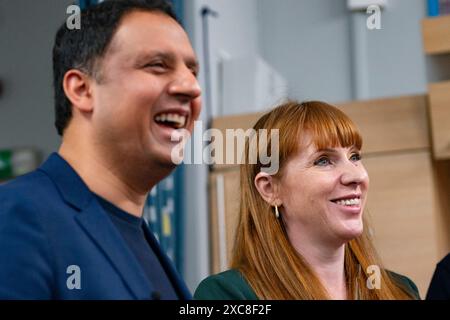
column 436, row 35
column 436, row 40
column 439, row 109
column 403, row 213
column 390, row 125
column 224, row 202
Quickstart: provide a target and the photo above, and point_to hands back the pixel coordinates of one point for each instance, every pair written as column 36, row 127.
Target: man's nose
column 185, row 84
column 354, row 173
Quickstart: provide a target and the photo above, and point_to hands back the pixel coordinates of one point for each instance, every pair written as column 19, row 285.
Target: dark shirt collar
column 119, row 213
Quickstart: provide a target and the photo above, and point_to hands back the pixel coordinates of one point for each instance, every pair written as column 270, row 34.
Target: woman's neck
column 326, row 260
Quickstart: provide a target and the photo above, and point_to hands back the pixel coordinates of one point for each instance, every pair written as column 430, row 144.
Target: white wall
column 396, row 58
column 234, row 31
column 27, row 29
column 310, row 43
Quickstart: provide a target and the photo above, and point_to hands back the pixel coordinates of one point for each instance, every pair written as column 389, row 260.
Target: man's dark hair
column 83, row 48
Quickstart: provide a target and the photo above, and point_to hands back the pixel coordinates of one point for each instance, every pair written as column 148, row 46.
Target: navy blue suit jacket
column 50, row 221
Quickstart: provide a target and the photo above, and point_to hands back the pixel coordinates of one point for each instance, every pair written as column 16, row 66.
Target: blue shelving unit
column 164, row 214
column 433, row 8
column 438, row 7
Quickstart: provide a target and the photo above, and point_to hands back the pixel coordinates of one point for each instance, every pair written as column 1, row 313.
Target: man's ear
column 267, row 188
column 77, row 87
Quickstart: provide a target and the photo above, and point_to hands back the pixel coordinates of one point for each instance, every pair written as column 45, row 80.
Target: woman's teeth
column 349, row 202
column 171, row 119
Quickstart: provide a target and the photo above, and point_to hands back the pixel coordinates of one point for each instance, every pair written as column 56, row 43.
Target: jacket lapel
column 96, row 223
column 99, row 227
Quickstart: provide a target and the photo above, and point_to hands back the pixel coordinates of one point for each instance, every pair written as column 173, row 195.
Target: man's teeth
column 174, row 118
column 349, row 202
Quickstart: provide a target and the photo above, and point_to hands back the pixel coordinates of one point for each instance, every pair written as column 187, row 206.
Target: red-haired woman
column 301, row 232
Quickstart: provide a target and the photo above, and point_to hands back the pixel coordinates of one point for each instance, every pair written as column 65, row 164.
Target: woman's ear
column 267, row 187
column 77, row 87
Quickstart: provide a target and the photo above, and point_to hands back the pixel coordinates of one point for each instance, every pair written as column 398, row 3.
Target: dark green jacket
column 231, row 285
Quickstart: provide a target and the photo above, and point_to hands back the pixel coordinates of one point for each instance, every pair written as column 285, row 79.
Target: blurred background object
column 16, row 162
column 438, row 7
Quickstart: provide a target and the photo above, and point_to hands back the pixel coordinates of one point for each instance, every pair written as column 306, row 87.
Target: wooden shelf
column 436, row 35
column 439, row 107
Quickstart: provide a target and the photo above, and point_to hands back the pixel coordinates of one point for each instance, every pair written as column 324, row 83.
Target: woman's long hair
column 262, row 251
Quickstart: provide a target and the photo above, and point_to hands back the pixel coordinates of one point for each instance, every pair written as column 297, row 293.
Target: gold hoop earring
column 277, row 213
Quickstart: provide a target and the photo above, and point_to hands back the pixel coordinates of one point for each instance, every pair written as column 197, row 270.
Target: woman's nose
column 354, row 173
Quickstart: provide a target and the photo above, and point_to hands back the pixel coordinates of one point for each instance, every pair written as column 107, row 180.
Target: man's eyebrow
column 143, row 56
column 146, row 55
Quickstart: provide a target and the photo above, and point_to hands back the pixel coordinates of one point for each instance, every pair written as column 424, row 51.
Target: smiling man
column 73, row 229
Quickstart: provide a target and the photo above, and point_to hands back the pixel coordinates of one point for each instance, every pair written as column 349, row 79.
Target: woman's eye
column 355, row 157
column 323, row 161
